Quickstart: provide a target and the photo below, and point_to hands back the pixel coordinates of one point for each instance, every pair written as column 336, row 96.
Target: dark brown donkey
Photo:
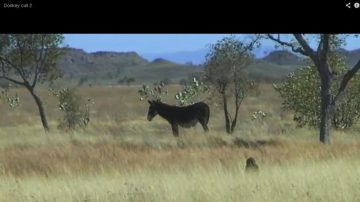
column 186, row 117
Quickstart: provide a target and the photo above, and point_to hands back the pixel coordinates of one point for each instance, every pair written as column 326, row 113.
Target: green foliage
column 259, row 116
column 32, row 57
column 301, row 93
column 76, row 109
column 190, row 92
column 226, row 60
column 225, row 65
column 29, row 59
column 224, row 70
column 184, row 97
column 157, row 92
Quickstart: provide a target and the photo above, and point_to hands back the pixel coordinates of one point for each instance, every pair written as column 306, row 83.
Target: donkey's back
column 188, row 116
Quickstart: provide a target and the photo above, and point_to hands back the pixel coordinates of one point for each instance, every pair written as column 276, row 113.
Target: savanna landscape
column 118, row 155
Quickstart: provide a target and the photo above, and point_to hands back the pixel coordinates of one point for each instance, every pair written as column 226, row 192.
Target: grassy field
column 123, row 157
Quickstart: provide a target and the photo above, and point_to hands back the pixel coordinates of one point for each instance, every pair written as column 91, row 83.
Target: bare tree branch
column 287, row 44
column 21, row 74
column 320, row 45
column 4, row 60
column 37, row 64
column 6, row 77
column 305, row 46
column 40, row 62
column 250, row 45
column 20, row 68
column 12, row 80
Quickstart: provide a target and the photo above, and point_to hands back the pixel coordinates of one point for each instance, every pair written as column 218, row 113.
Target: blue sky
column 154, row 43
column 142, row 43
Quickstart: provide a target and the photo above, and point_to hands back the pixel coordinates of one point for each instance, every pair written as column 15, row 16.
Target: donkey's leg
column 204, row 125
column 175, row 129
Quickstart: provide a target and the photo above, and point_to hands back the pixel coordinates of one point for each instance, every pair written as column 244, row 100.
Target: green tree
column 27, row 59
column 224, row 67
column 301, row 93
column 319, row 54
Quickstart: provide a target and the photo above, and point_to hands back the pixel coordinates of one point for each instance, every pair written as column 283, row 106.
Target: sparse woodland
column 98, row 145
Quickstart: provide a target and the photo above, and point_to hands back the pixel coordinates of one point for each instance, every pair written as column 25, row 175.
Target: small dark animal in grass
column 251, row 165
column 186, row 117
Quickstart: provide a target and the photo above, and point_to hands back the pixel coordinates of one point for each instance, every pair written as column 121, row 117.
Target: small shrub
column 76, row 109
column 13, row 101
column 259, row 116
column 190, row 92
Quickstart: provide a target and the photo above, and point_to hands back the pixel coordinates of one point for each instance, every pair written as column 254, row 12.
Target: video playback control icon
column 353, row 5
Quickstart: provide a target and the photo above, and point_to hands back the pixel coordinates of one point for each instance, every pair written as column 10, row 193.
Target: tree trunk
column 233, row 124
column 226, row 113
column 325, row 111
column 41, row 110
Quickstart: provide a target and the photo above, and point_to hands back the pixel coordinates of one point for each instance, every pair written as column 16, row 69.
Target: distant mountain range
column 110, row 67
column 198, row 56
column 184, row 57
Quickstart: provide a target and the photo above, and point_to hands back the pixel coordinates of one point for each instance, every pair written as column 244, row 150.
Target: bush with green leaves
column 190, row 92
column 12, row 100
column 157, row 92
column 259, row 116
column 301, row 94
column 76, row 110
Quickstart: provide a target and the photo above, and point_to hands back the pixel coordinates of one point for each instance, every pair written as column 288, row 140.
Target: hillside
column 76, row 61
column 109, row 67
column 279, row 63
column 352, row 57
column 198, row 56
column 283, row 57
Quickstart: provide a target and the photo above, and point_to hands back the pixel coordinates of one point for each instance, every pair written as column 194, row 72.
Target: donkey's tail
column 207, row 114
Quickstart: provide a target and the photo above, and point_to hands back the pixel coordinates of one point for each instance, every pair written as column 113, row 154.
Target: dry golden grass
column 123, row 157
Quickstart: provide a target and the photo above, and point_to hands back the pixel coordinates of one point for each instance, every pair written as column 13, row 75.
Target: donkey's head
column 152, row 110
